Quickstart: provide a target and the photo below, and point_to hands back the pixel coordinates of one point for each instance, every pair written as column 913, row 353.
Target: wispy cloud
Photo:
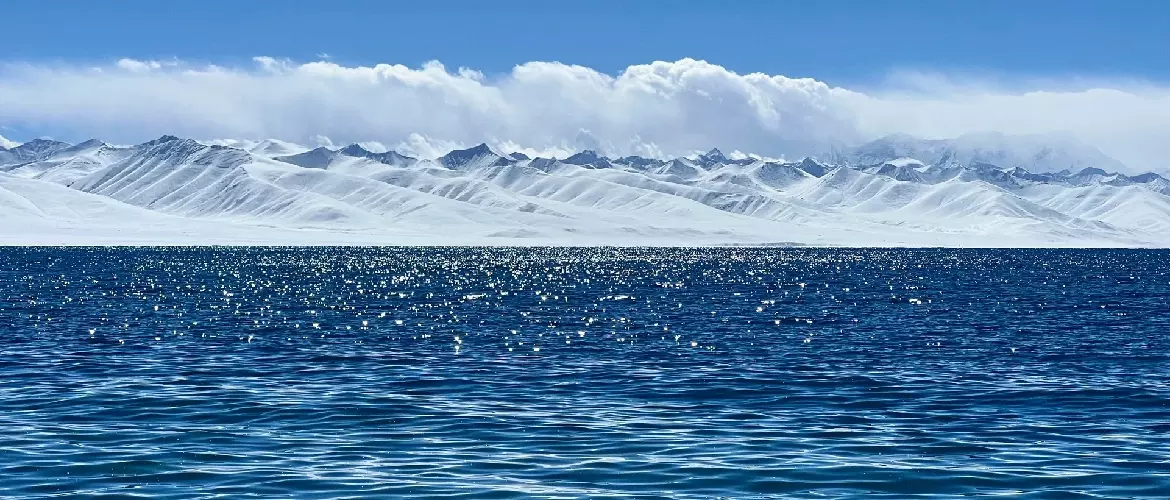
column 5, row 143
column 659, row 108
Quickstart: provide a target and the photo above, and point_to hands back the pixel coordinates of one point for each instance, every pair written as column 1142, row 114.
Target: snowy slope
column 68, row 162
column 900, row 192
column 267, row 148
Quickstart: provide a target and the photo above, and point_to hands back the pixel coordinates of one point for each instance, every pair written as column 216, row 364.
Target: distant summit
column 715, row 155
column 323, row 157
column 32, row 150
column 478, row 156
column 1037, row 153
column 387, row 158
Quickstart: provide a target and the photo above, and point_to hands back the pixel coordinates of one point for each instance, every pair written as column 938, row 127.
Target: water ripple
column 514, row 373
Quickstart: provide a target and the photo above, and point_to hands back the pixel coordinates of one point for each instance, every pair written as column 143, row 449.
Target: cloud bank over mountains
column 656, row 109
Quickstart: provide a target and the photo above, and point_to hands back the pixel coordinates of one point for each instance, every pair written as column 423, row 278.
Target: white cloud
column 420, row 146
column 137, row 66
column 507, row 147
column 4, row 142
column 656, row 109
column 740, row 155
column 322, row 141
column 374, row 146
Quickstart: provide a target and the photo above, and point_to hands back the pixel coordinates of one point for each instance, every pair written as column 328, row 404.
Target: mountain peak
column 715, row 155
column 639, row 161
column 813, row 167
column 33, row 150
column 585, row 157
column 79, row 148
column 168, row 139
column 482, row 148
column 1087, row 171
column 809, row 161
column 355, row 150
column 388, row 158
column 478, row 156
column 41, row 141
column 472, row 152
column 320, row 157
column 92, row 143
column 39, row 146
column 1146, row 177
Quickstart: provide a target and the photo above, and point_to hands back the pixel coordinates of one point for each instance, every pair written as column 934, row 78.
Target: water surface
column 500, row 373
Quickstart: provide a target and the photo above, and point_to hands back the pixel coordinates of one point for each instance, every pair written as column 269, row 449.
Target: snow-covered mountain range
column 1038, row 153
column 985, row 190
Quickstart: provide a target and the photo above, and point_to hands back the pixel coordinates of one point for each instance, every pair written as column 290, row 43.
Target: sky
column 780, row 77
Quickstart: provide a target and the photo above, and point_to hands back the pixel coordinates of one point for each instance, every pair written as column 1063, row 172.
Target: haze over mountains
column 975, row 190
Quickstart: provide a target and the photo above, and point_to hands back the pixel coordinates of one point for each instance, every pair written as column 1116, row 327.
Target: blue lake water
column 570, row 373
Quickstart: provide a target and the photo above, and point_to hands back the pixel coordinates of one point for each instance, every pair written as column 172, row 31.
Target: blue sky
column 767, row 77
column 847, row 43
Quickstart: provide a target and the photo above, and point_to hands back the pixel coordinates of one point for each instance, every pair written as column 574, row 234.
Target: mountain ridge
column 877, row 196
